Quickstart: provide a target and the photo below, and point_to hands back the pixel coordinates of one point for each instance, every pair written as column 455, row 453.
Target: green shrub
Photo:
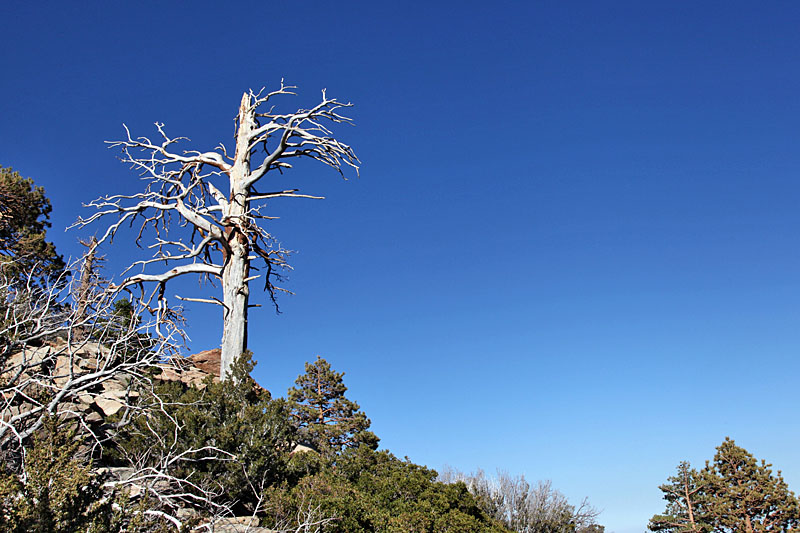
column 367, row 490
column 58, row 490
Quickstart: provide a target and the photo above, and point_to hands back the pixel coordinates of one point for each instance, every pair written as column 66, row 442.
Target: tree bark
column 235, row 289
column 689, row 505
column 85, row 287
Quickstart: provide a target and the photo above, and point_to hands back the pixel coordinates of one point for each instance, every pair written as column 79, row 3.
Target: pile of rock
column 62, row 366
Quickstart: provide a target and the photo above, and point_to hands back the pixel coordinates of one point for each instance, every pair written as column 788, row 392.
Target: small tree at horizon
column 322, row 413
column 201, row 212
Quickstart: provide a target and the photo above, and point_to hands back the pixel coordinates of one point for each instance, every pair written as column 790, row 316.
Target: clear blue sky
column 573, row 251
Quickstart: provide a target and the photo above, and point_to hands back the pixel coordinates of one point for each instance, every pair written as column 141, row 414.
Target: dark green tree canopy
column 745, row 495
column 24, row 219
column 323, row 415
column 733, row 493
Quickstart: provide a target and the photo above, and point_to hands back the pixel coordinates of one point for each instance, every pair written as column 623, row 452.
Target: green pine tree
column 744, row 495
column 325, row 418
column 24, row 219
column 733, row 493
column 684, row 492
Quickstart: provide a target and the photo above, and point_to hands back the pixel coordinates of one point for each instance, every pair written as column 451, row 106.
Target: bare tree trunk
column 235, row 297
column 235, row 289
column 85, row 287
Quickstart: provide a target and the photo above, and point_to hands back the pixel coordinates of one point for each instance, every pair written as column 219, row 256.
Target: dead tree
column 194, row 228
column 523, row 507
column 89, row 283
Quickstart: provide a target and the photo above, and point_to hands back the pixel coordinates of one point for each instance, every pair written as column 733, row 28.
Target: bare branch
column 56, row 359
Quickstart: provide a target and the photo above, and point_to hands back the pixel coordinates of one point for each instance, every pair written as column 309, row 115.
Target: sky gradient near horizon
column 573, row 249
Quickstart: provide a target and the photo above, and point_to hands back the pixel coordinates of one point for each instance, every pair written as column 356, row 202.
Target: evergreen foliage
column 358, row 489
column 231, row 437
column 24, row 219
column 59, row 491
column 325, row 418
column 684, row 493
column 368, row 490
column 732, row 493
column 744, row 495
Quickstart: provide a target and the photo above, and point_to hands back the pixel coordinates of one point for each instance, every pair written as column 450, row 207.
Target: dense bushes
column 228, row 440
column 368, row 490
column 225, row 449
column 233, row 441
column 59, row 491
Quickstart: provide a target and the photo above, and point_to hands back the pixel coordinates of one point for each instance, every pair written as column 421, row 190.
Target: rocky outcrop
column 193, row 370
column 80, row 369
column 58, row 365
column 208, row 361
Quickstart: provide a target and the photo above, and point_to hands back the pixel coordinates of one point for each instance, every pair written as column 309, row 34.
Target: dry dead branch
column 59, row 361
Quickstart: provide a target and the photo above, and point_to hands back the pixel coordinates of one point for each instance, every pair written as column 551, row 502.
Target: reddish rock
column 208, row 361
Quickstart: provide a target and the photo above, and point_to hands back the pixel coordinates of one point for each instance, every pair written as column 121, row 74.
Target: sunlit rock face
column 68, row 362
